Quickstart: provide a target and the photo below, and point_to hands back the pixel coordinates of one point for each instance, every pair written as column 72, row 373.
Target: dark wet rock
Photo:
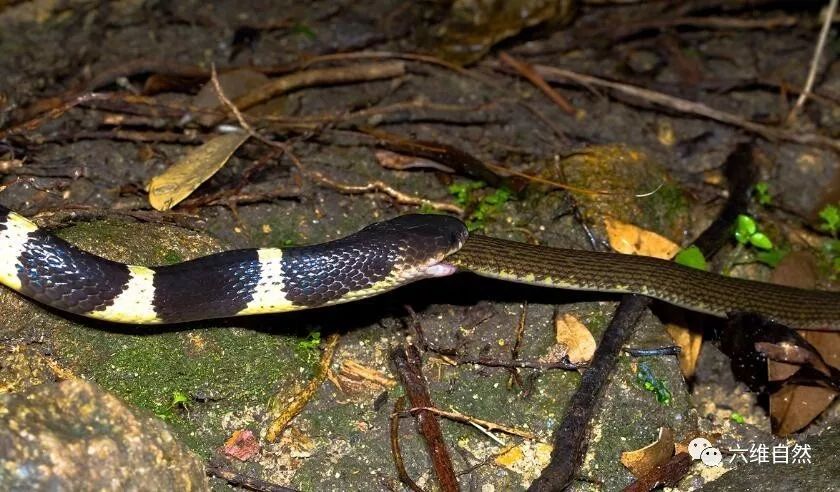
column 472, row 28
column 60, row 436
column 819, row 471
column 22, row 367
column 641, row 191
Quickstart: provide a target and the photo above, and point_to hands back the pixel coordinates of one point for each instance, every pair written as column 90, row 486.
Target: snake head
column 420, row 242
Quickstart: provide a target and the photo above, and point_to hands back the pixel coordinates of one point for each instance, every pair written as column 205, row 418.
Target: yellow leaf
column 575, row 336
column 690, row 342
column 629, row 239
column 641, row 461
column 176, row 183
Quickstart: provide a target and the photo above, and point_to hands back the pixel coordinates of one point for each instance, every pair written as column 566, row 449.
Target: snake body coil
column 378, row 258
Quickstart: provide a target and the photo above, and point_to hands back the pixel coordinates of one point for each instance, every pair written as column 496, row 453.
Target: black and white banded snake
column 380, row 257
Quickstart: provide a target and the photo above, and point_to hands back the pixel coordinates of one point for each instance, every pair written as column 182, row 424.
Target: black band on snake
column 380, row 257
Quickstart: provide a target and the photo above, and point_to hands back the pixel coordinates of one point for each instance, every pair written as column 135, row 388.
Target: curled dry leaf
column 575, row 336
column 176, row 183
column 641, row 461
column 629, row 239
column 690, row 342
column 794, row 406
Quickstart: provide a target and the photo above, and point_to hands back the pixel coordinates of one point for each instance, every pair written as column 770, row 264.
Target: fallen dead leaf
column 234, row 83
column 794, row 406
column 630, row 239
column 176, row 183
column 690, row 342
column 641, row 461
column 576, row 337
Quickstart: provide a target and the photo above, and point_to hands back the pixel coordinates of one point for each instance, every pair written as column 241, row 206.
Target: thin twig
column 472, row 74
column 527, row 71
column 396, row 452
column 569, row 443
column 686, row 106
column 244, row 481
column 460, row 417
column 308, row 78
column 409, row 368
column 382, row 187
column 291, row 410
column 518, row 363
column 52, row 114
column 815, row 62
column 238, row 114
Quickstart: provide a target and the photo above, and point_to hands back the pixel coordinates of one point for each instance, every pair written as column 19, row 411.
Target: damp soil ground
column 83, row 174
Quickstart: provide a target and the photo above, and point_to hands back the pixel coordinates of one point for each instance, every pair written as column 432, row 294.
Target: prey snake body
column 380, row 257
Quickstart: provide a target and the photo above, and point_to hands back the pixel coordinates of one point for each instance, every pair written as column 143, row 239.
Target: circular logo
column 697, row 445
column 711, row 457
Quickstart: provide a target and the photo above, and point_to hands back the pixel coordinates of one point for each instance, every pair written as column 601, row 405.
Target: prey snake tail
column 380, row 257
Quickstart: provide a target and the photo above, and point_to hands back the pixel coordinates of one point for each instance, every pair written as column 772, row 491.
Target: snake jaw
column 440, row 270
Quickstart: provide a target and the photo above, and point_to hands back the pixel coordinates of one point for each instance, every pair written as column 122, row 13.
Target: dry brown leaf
column 630, row 239
column 234, row 83
column 690, row 342
column 794, row 406
column 575, row 336
column 641, row 461
column 182, row 178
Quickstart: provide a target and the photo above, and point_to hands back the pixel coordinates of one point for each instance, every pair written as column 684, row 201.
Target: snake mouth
column 440, row 269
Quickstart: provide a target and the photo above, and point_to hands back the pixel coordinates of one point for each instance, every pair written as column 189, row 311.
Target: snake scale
column 380, row 257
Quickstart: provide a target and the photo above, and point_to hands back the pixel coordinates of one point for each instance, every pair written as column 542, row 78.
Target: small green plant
column 488, row 206
column 180, row 400
column 649, row 382
column 737, row 418
column 747, row 233
column 830, row 216
column 304, row 30
column 831, row 252
column 306, row 347
column 482, row 208
column 462, row 191
column 692, row 257
column 761, row 191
